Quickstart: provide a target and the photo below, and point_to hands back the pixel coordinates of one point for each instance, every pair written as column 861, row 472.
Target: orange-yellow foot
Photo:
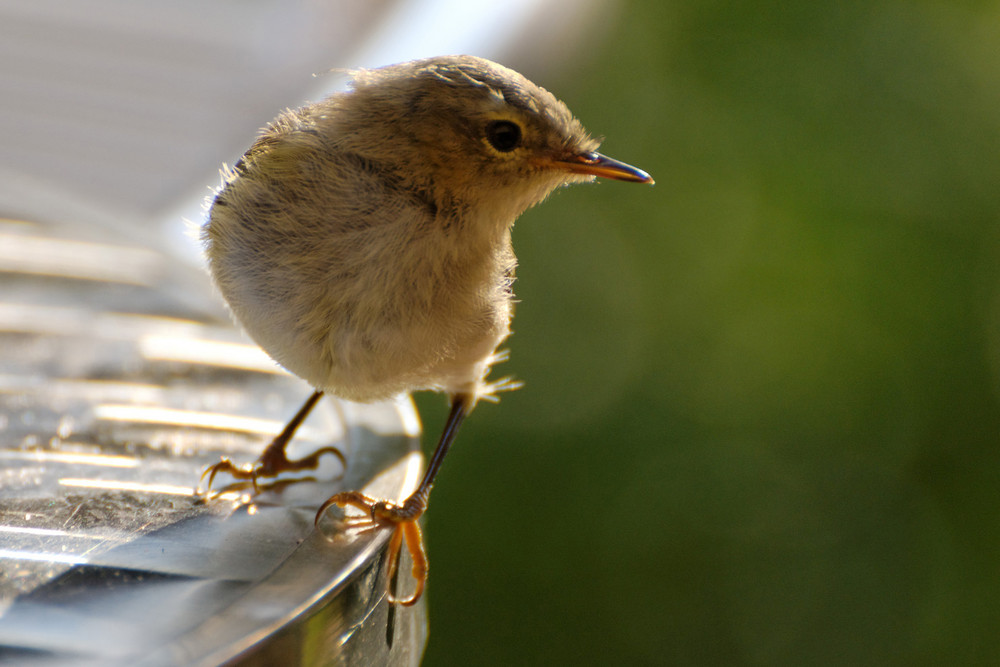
column 403, row 518
column 271, row 463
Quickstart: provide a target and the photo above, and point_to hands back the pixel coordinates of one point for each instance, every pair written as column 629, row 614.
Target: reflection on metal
column 186, row 350
column 82, row 260
column 113, row 399
column 62, row 559
column 190, row 418
column 103, row 460
column 63, row 320
column 139, row 487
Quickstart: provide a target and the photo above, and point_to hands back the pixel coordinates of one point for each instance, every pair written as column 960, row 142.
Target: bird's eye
column 503, row 135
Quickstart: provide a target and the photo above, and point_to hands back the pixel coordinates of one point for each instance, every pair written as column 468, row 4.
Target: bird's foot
column 403, row 519
column 271, row 463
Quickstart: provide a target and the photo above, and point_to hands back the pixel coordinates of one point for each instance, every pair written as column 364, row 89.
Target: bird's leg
column 273, row 460
column 403, row 516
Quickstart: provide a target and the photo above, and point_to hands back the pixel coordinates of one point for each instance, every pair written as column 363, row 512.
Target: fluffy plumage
column 364, row 241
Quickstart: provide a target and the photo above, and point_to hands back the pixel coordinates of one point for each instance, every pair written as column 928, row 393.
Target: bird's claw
column 269, row 465
column 403, row 518
column 246, row 472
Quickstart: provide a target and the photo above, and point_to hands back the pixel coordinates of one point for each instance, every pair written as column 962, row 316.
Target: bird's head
column 480, row 131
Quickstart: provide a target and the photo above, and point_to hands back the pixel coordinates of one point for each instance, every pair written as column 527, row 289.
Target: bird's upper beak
column 596, row 164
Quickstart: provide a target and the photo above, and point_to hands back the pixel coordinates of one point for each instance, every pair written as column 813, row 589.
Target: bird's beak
column 596, row 164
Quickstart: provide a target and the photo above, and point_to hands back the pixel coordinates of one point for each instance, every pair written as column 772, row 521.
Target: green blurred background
column 760, row 424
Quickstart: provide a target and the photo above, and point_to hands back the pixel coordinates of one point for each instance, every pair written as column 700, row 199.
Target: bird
column 364, row 242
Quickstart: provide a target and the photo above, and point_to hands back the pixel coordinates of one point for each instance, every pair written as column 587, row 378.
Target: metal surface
column 115, row 394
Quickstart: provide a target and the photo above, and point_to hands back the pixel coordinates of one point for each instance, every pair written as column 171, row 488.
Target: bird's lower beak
column 596, row 164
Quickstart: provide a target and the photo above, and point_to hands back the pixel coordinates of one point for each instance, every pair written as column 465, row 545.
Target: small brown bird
column 365, row 243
